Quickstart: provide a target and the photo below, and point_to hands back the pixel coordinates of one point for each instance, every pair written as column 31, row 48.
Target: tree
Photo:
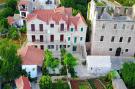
column 10, row 62
column 7, row 86
column 69, row 60
column 128, row 74
column 4, row 23
column 45, row 82
column 13, row 33
column 12, row 4
column 77, row 5
column 6, row 12
column 50, row 61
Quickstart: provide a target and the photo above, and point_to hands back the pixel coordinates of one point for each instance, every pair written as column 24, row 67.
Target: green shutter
column 75, row 39
column 81, row 29
column 72, row 29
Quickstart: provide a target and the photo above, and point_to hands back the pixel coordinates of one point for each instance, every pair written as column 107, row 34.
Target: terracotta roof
column 10, row 20
column 56, row 15
column 23, row 83
column 23, row 2
column 31, row 55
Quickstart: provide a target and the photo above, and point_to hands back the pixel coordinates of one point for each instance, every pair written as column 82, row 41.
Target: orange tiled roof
column 23, row 83
column 56, row 15
column 31, row 56
column 10, row 20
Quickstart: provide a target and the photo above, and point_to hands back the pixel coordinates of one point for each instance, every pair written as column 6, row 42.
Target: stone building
column 113, row 30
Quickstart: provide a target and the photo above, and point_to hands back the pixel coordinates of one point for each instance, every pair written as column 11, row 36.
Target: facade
column 54, row 29
column 113, row 30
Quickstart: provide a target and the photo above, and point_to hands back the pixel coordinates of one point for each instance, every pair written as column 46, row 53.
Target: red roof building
column 31, row 55
column 23, row 83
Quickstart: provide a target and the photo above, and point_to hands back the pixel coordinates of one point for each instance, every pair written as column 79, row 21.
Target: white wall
column 55, row 31
column 31, row 69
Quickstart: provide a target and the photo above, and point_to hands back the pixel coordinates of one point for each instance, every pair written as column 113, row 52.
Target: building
column 15, row 20
column 23, row 83
column 98, row 65
column 28, row 6
column 113, row 30
column 32, row 60
column 54, row 29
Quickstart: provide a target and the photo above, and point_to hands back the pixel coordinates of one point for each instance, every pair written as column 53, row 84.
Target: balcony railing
column 37, row 41
column 36, row 32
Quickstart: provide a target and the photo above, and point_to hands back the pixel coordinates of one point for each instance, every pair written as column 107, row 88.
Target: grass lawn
column 2, row 1
column 84, row 85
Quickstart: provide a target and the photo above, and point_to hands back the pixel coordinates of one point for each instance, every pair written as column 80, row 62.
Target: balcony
column 45, row 41
column 37, row 32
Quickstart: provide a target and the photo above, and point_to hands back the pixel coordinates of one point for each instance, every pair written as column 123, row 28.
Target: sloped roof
column 10, row 20
column 56, row 15
column 23, row 83
column 31, row 56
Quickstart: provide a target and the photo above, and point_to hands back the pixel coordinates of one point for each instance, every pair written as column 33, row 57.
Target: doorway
column 118, row 52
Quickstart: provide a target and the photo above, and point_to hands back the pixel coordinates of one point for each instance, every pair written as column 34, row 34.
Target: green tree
column 13, row 33
column 77, row 5
column 45, row 82
column 50, row 61
column 128, row 74
column 12, row 4
column 4, row 23
column 70, row 60
column 10, row 62
column 7, row 86
column 6, row 12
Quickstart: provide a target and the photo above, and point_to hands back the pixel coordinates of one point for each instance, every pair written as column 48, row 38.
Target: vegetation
column 7, row 86
column 77, row 5
column 45, row 82
column 10, row 63
column 49, row 61
column 126, row 2
column 13, row 33
column 128, row 74
column 61, row 85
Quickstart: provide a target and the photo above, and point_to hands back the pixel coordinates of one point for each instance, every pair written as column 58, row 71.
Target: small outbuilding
column 98, row 65
column 32, row 60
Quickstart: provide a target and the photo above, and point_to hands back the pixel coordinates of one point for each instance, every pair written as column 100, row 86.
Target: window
column 81, row 29
column 68, row 46
column 35, row 46
column 33, row 38
column 103, row 26
column 68, row 38
column 52, row 25
column 81, row 38
column 72, row 29
column 50, row 46
column 32, row 27
column 62, row 38
column 121, row 38
column 51, row 38
column 41, row 38
column 112, row 40
column 132, row 27
column 62, row 46
column 123, row 26
column 102, row 38
column 126, row 50
column 62, row 27
column 115, row 26
column 110, row 49
column 41, row 27
column 129, row 39
column 42, row 47
column 75, row 39
column 33, row 0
